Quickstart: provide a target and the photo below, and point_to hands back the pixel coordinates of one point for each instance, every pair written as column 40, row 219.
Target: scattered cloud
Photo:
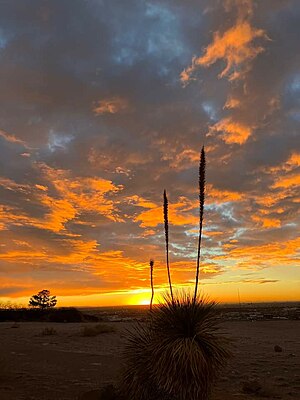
column 111, row 105
column 236, row 46
column 11, row 138
column 233, row 131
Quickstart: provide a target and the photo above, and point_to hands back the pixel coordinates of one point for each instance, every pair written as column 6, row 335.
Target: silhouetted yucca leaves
column 137, row 381
column 179, row 354
column 186, row 352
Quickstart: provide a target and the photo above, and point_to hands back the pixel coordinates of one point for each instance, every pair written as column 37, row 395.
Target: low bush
column 95, row 330
column 48, row 332
column 67, row 314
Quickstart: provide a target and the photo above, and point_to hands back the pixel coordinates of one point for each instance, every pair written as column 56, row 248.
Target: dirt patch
column 67, row 365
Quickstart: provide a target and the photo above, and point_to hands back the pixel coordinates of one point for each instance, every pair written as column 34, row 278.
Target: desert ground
column 67, row 365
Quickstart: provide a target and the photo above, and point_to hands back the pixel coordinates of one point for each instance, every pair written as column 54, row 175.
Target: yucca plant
column 138, row 381
column 186, row 351
column 178, row 354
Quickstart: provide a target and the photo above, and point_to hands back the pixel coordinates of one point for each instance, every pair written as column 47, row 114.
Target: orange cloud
column 267, row 222
column 287, row 181
column 233, row 131
column 13, row 216
column 11, row 138
column 269, row 200
column 76, row 256
column 294, row 160
column 179, row 214
column 292, row 163
column 222, row 196
column 112, row 105
column 185, row 159
column 235, row 46
column 141, row 202
column 286, row 175
column 72, row 251
column 74, row 197
column 232, row 102
column 276, row 253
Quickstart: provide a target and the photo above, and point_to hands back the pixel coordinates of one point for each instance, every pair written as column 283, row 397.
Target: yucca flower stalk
column 201, row 212
column 151, row 263
column 166, row 221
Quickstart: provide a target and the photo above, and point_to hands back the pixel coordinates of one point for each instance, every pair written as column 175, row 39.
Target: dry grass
column 98, row 329
column 48, row 332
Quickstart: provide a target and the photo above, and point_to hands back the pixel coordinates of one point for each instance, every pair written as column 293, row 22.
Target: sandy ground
column 66, row 365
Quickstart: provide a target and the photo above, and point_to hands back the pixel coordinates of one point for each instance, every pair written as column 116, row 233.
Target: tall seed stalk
column 151, row 263
column 166, row 220
column 201, row 211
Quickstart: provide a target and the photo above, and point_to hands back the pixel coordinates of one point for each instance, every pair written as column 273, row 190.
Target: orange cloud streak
column 235, row 46
column 74, row 197
column 276, row 253
column 233, row 131
column 112, row 105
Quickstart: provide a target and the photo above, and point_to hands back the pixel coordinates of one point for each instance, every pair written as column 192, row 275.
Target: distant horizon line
column 218, row 304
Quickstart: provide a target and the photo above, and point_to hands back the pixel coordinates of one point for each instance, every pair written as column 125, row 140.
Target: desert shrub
column 64, row 314
column 8, row 305
column 178, row 355
column 68, row 314
column 48, row 332
column 21, row 314
column 91, row 318
column 98, row 329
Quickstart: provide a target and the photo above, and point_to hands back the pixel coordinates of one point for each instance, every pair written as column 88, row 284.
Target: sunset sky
column 106, row 103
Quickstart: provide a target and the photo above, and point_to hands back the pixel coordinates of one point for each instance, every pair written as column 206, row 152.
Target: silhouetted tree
column 43, row 300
